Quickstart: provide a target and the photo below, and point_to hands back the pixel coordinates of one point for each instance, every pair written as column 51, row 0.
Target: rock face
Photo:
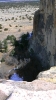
column 42, row 89
column 36, row 90
column 44, row 33
column 49, row 75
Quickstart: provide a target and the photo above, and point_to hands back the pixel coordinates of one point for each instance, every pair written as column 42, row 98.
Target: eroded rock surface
column 49, row 75
column 38, row 89
column 43, row 41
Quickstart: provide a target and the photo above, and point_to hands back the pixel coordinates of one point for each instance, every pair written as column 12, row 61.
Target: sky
column 19, row 0
column 16, row 0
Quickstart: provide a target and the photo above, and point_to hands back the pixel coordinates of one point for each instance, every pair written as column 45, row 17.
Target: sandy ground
column 16, row 20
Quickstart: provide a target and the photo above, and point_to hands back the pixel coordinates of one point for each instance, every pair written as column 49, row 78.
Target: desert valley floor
column 16, row 20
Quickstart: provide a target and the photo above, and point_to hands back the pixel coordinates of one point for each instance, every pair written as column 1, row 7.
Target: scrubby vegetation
column 2, row 60
column 31, row 70
column 10, row 25
column 5, row 29
column 20, row 47
column 12, row 39
column 0, row 26
column 16, row 26
column 17, row 4
column 0, row 30
column 20, row 26
column 5, row 46
column 4, row 43
column 0, row 46
column 12, row 18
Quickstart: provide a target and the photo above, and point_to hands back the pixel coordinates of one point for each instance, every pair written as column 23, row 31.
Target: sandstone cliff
column 43, row 41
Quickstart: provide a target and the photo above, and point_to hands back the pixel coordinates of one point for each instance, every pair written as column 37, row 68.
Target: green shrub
column 0, row 30
column 6, row 29
column 2, row 60
column 30, row 18
column 5, row 45
column 5, row 19
column 16, row 19
column 12, row 52
column 23, row 43
column 10, row 25
column 0, row 26
column 20, row 26
column 0, row 46
column 11, row 38
column 23, row 17
column 16, row 26
column 8, row 37
column 12, row 18
column 19, row 16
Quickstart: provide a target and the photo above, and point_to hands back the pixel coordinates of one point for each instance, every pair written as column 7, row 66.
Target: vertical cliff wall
column 44, row 33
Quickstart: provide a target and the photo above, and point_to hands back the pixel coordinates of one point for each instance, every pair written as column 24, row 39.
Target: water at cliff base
column 16, row 77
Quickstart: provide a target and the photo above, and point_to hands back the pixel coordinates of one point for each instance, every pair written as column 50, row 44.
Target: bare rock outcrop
column 49, row 75
column 43, row 42
column 35, row 90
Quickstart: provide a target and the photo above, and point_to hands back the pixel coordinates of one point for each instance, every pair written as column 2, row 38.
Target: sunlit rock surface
column 36, row 90
column 49, row 75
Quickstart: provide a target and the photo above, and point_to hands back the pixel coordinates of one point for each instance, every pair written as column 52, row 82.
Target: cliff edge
column 43, row 42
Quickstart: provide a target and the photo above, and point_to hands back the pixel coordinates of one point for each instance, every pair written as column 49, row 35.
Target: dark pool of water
column 16, row 77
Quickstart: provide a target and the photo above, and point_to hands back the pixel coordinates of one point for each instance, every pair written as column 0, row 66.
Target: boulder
column 5, row 91
column 3, row 96
column 49, row 75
